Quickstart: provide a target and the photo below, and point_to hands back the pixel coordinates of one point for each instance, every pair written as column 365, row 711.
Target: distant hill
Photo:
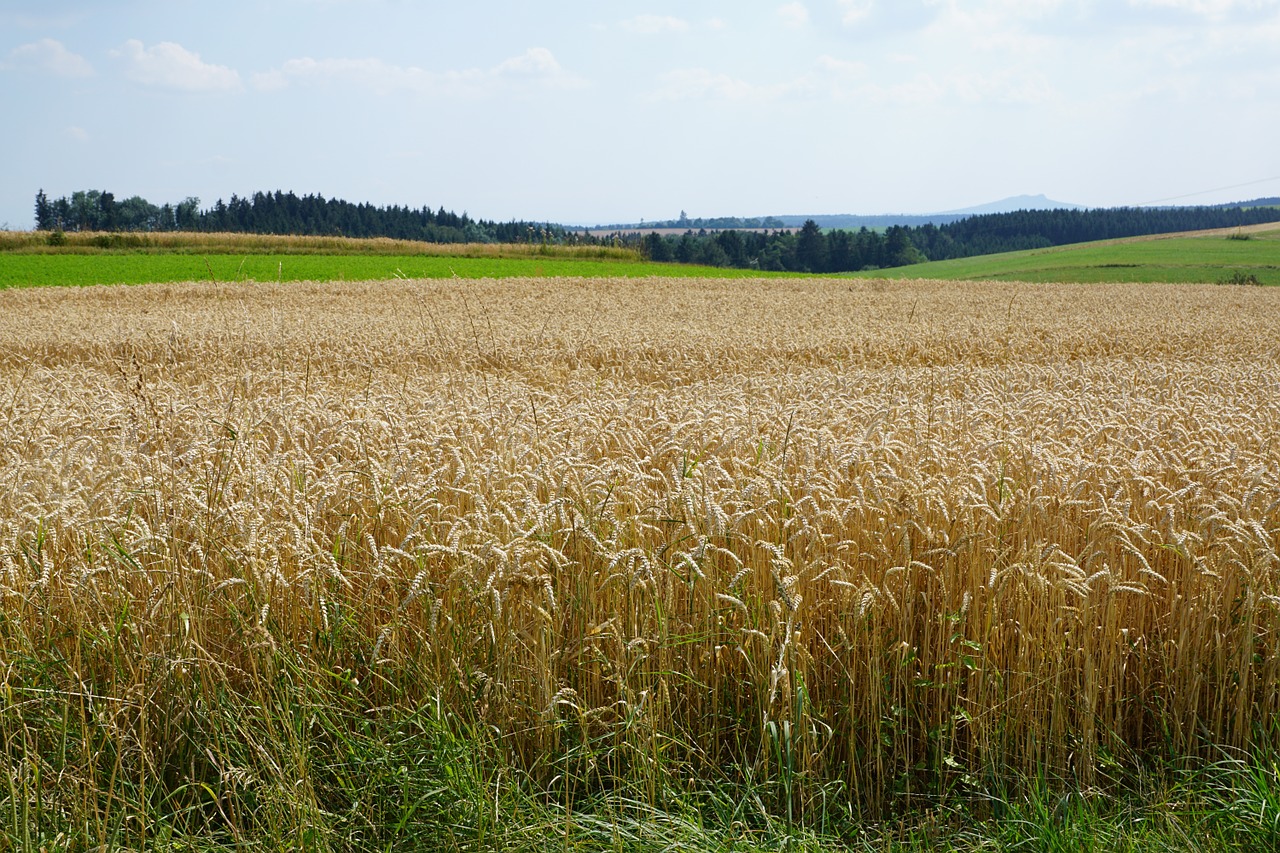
column 1012, row 203
column 1006, row 205
column 1272, row 201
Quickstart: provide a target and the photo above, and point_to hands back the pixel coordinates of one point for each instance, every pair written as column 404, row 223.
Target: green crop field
column 33, row 270
column 33, row 259
column 1209, row 259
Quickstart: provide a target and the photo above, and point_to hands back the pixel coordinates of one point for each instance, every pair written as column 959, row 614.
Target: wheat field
column 857, row 537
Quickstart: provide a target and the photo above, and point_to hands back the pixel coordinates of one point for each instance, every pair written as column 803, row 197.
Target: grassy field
column 76, row 269
column 223, row 243
column 584, row 564
column 27, row 260
column 1210, row 259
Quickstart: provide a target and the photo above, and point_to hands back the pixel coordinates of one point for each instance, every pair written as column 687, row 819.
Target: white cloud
column 1007, row 9
column 702, row 83
column 79, row 134
column 878, row 19
column 48, row 56
column 996, row 21
column 846, row 81
column 650, row 25
column 832, row 65
column 273, row 80
column 369, row 73
column 168, row 65
column 794, row 14
column 835, row 78
column 1005, row 86
column 855, row 11
column 922, row 89
column 534, row 62
column 537, row 65
column 1214, row 9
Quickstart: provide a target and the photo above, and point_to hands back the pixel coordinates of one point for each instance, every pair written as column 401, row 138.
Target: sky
column 604, row 112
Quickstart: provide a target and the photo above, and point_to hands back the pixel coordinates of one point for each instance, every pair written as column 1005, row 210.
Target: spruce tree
column 44, row 212
column 811, row 248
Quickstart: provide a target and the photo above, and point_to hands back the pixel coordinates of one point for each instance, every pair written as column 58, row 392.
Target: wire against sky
column 1214, row 190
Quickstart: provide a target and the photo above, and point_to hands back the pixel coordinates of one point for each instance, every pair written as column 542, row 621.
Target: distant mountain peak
column 1017, row 202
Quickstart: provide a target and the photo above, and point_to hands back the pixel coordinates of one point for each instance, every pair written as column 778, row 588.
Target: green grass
column 34, row 270
column 1171, row 259
column 306, row 759
column 34, row 259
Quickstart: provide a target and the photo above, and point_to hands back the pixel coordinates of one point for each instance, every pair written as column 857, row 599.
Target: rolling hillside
column 1220, row 255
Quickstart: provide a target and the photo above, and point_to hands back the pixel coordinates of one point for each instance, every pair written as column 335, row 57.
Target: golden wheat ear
column 837, row 537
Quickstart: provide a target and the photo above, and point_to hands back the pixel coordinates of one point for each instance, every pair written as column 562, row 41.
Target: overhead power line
column 1214, row 190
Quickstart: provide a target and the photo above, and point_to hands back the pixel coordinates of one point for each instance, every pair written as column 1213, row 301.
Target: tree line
column 1037, row 229
column 808, row 249
column 283, row 213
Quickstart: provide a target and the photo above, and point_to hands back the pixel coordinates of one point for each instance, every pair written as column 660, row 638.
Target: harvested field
column 859, row 539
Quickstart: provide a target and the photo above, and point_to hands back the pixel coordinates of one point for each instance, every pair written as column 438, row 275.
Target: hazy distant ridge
column 855, row 221
column 1016, row 202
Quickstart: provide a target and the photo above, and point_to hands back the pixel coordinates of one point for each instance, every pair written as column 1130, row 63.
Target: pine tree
column 44, row 212
column 811, row 248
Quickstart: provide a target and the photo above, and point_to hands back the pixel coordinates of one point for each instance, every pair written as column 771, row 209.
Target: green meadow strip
column 42, row 270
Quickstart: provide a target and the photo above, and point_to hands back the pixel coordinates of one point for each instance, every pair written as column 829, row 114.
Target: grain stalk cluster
column 846, row 540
